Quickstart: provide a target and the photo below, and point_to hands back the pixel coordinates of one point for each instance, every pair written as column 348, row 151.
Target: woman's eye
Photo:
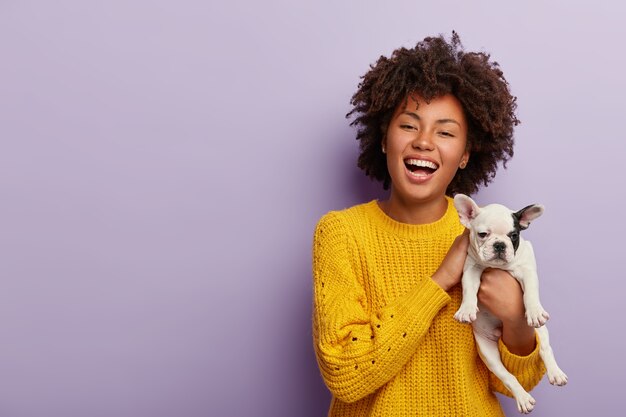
column 408, row 127
column 446, row 134
column 482, row 235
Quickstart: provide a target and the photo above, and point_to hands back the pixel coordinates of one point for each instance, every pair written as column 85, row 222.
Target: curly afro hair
column 434, row 68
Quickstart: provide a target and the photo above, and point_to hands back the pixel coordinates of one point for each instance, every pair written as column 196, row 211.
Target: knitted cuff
column 426, row 300
column 523, row 367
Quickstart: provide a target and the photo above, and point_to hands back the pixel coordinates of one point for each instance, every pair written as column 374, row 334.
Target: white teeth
column 421, row 163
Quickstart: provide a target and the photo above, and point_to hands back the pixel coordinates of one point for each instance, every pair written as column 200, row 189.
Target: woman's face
column 425, row 145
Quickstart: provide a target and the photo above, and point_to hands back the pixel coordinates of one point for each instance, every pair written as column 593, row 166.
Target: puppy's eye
column 482, row 235
column 514, row 235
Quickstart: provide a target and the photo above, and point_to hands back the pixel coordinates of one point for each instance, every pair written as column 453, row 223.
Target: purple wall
column 163, row 165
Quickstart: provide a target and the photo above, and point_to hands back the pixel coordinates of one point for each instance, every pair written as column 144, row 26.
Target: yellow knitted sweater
column 384, row 333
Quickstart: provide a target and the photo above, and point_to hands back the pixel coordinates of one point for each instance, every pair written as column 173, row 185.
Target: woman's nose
column 424, row 141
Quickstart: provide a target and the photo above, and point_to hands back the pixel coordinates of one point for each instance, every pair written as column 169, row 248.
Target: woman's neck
column 422, row 212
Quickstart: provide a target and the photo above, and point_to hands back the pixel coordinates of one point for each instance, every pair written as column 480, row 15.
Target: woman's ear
column 466, row 157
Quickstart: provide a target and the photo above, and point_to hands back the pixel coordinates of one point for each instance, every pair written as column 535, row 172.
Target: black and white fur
column 495, row 242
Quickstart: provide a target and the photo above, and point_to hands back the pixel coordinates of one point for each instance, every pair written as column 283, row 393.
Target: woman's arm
column 359, row 349
column 501, row 294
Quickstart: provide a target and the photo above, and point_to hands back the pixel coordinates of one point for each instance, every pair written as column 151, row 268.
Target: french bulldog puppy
column 495, row 242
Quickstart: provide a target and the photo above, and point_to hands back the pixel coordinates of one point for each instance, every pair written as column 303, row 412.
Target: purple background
column 163, row 165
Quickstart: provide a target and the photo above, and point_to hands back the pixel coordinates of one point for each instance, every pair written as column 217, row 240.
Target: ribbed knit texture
column 384, row 333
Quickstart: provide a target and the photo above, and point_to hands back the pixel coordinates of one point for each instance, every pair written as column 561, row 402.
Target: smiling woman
column 433, row 121
column 433, row 69
column 425, row 144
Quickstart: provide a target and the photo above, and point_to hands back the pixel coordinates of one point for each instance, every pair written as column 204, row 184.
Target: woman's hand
column 451, row 268
column 502, row 295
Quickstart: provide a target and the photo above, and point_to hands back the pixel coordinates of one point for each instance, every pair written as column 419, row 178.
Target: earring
column 384, row 150
column 462, row 166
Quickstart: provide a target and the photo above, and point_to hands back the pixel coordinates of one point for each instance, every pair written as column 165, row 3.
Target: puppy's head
column 494, row 229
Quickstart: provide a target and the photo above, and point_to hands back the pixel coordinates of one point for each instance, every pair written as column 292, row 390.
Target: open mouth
column 420, row 167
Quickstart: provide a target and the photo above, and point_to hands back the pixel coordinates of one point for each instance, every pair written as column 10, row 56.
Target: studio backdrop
column 163, row 166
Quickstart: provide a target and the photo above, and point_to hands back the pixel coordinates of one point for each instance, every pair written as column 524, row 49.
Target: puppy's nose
column 499, row 247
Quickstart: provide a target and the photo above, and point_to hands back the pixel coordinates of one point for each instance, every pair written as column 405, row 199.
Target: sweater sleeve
column 359, row 350
column 527, row 369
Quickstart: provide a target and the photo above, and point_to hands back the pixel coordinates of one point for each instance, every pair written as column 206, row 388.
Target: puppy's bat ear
column 528, row 214
column 467, row 209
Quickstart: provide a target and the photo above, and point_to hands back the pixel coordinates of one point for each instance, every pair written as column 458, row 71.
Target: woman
column 432, row 121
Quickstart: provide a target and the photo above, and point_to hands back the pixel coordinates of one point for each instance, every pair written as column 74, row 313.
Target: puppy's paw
column 466, row 314
column 557, row 377
column 525, row 403
column 536, row 316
